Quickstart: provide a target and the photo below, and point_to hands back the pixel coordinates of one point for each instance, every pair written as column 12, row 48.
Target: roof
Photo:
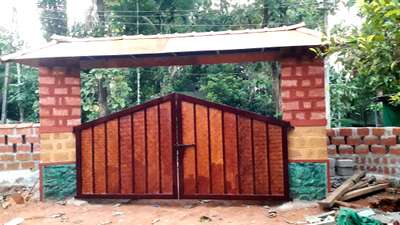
column 265, row 38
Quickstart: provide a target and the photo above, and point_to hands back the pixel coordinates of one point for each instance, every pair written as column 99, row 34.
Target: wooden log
column 364, row 191
column 340, row 191
column 359, row 185
column 348, row 205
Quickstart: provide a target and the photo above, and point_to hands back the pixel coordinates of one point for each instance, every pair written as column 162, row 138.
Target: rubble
column 205, row 219
column 17, row 198
column 155, row 221
column 15, row 221
column 356, row 186
column 387, row 204
column 272, row 213
column 76, row 202
column 337, row 181
column 18, row 187
column 118, row 213
column 116, row 205
column 382, row 210
column 329, row 201
column 105, row 223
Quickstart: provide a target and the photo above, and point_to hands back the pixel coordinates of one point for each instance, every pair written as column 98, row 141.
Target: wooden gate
column 129, row 153
column 221, row 152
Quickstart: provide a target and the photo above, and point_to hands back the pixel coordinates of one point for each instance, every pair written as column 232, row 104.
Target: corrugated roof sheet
column 67, row 47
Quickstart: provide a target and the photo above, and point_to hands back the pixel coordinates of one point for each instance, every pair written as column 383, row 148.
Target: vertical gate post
column 59, row 103
column 303, row 104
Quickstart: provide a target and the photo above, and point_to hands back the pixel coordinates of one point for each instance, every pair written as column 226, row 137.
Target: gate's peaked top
column 174, row 97
column 168, row 44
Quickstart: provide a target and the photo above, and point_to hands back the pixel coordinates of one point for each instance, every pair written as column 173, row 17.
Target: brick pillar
column 303, row 104
column 60, row 110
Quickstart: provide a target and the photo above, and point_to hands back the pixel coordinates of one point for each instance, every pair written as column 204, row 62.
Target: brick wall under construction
column 373, row 149
column 19, row 146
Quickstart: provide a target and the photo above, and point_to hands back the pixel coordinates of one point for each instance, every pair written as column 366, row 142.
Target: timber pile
column 356, row 186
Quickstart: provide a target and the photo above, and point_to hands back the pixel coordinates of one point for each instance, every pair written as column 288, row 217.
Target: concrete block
column 345, row 163
column 345, row 171
column 332, row 162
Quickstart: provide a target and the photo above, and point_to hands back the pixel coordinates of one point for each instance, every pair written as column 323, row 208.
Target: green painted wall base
column 308, row 181
column 59, row 181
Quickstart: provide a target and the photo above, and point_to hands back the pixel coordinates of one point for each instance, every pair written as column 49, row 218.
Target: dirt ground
column 159, row 212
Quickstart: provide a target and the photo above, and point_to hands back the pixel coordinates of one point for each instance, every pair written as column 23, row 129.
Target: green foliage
column 395, row 99
column 118, row 90
column 373, row 51
column 284, row 12
column 6, row 46
column 25, row 93
column 53, row 17
column 350, row 103
column 247, row 86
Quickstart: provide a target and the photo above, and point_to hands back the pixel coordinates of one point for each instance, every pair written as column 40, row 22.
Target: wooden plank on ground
column 361, row 184
column 364, row 191
column 340, row 191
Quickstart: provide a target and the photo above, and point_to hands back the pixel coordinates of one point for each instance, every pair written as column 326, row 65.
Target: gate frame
column 178, row 147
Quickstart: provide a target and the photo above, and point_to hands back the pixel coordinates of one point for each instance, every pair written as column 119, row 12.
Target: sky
column 29, row 28
column 28, row 23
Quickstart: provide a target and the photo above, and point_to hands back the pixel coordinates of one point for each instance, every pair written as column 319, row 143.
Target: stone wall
column 19, row 146
column 308, row 181
column 58, row 181
column 374, row 149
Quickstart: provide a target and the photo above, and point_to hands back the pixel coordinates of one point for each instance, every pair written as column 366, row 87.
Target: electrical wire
column 177, row 25
column 281, row 5
column 183, row 25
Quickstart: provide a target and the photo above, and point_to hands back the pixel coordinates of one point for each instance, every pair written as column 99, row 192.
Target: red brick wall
column 374, row 149
column 60, row 111
column 19, row 146
column 59, row 89
column 303, row 92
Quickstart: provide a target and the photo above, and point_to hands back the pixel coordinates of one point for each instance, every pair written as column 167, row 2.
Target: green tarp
column 350, row 217
column 391, row 115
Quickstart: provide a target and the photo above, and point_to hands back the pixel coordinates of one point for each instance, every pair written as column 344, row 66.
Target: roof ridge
column 59, row 38
column 311, row 32
column 7, row 57
column 263, row 38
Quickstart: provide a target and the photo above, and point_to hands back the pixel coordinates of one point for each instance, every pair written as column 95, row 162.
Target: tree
column 53, row 17
column 254, row 82
column 4, row 98
column 119, row 92
column 368, row 58
column 20, row 94
column 372, row 52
